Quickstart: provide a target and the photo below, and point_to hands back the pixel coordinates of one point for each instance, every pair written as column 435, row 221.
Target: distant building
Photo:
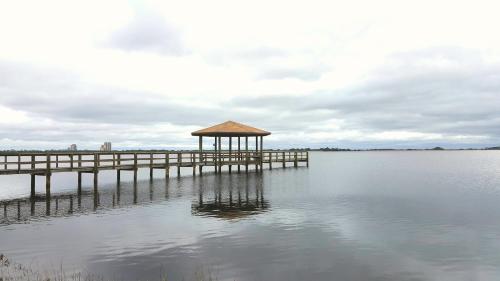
column 106, row 146
column 72, row 147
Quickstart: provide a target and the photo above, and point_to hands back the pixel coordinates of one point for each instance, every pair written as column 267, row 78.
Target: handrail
column 32, row 162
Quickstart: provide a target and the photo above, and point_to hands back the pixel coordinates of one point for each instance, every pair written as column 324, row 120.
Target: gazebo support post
column 256, row 153
column 220, row 156
column 200, row 147
column 246, row 155
column 262, row 153
column 230, row 153
column 215, row 155
column 239, row 154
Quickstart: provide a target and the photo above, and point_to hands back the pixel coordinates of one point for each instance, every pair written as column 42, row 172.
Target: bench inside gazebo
column 242, row 155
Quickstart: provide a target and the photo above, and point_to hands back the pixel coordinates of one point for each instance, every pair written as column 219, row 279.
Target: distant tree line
column 493, row 148
column 290, row 149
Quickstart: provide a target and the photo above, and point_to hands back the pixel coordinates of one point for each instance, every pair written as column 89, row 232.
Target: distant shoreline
column 400, row 149
column 325, row 149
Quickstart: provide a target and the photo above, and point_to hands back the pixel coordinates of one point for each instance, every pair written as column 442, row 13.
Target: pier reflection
column 232, row 197
column 23, row 210
column 224, row 196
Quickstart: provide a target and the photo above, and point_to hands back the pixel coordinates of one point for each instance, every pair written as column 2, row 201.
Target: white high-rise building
column 72, row 147
column 106, row 146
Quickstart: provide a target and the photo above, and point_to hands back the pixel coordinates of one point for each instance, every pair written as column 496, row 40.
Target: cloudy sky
column 144, row 74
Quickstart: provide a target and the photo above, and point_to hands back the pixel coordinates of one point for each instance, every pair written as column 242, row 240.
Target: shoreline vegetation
column 437, row 148
column 12, row 271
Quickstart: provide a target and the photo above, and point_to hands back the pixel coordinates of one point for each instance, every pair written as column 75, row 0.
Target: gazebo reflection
column 231, row 197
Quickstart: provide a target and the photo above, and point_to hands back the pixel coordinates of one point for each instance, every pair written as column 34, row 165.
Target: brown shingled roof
column 230, row 129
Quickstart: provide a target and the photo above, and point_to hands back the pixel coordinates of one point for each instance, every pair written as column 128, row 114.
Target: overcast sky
column 144, row 74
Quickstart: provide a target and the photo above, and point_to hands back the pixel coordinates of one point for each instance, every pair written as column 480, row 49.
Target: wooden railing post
column 245, row 157
column 18, row 163
column 96, row 171
column 71, row 161
column 33, row 163
column 150, row 166
column 295, row 163
column 283, row 160
column 32, row 177
column 117, row 167
column 270, row 161
column 47, row 179
column 179, row 161
column 47, row 160
column 167, row 165
column 135, row 167
column 96, row 161
column 193, row 161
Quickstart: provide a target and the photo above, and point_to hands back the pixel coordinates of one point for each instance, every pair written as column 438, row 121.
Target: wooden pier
column 45, row 164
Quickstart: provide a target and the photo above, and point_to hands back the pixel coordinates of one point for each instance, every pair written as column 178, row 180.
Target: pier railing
column 44, row 163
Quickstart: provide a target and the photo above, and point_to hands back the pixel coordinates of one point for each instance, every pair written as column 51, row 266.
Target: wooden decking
column 44, row 164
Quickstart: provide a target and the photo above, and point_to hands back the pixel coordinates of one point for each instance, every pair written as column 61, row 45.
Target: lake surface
column 416, row 215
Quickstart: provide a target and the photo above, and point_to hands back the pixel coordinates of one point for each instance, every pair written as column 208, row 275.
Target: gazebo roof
column 230, row 129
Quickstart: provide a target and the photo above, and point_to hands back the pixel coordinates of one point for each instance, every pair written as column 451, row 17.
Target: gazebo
column 230, row 129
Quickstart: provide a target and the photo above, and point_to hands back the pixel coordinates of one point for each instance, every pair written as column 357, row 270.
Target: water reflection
column 224, row 196
column 231, row 199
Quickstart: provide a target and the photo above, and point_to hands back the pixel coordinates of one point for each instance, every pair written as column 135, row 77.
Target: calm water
column 349, row 216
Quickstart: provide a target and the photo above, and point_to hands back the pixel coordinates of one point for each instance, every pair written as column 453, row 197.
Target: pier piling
column 47, row 185
column 179, row 163
column 96, row 178
column 230, row 150
column 151, row 166
column 80, row 183
column 32, row 193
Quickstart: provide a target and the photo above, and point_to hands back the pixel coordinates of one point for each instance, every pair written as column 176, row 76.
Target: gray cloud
column 255, row 55
column 462, row 98
column 306, row 74
column 269, row 63
column 148, row 32
column 262, row 52
column 62, row 96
